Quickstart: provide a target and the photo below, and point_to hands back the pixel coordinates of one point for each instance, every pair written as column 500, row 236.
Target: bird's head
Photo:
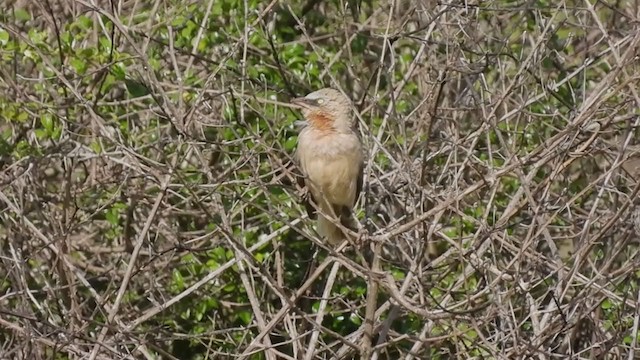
column 326, row 109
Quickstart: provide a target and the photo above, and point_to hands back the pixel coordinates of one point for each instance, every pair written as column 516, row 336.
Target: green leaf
column 47, row 122
column 5, row 147
column 245, row 317
column 84, row 22
column 136, row 88
column 41, row 134
column 22, row 15
column 113, row 216
column 201, row 309
column 80, row 66
column 118, row 71
column 178, row 280
column 56, row 133
column 4, row 37
column 22, row 116
column 96, row 147
column 186, row 314
column 38, row 37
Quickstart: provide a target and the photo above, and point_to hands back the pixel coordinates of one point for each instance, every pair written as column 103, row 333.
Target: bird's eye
column 320, row 101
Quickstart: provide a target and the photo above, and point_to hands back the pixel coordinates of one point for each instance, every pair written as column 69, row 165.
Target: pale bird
column 330, row 156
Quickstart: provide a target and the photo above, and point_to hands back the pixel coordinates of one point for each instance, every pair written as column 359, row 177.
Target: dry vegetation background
column 146, row 213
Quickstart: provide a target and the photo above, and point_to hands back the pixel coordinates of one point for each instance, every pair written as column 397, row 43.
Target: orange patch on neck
column 321, row 121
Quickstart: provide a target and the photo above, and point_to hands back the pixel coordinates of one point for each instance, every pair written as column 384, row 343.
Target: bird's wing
column 359, row 181
column 345, row 212
column 294, row 171
column 307, row 198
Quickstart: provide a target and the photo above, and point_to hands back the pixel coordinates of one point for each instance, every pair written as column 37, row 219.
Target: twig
column 311, row 348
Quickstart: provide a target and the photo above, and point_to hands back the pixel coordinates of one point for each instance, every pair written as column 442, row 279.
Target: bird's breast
column 332, row 164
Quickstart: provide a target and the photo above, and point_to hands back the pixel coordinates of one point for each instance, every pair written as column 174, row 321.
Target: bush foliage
column 148, row 210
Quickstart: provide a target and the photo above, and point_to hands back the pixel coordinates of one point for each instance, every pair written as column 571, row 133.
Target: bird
column 330, row 156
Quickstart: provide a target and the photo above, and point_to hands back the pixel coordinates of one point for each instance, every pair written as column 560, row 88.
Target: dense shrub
column 148, row 209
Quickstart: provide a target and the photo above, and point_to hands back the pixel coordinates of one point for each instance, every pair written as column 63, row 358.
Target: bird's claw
column 304, row 193
column 362, row 238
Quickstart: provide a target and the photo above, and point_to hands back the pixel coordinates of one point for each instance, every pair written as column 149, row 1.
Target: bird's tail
column 329, row 231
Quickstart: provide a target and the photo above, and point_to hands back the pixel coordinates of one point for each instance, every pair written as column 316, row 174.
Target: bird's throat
column 321, row 121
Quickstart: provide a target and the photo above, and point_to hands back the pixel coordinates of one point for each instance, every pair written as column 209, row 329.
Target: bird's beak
column 303, row 102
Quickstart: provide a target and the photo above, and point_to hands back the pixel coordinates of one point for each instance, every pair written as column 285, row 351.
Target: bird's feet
column 304, row 193
column 362, row 238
